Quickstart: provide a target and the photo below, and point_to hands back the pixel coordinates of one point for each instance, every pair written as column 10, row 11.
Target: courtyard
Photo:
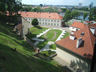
column 44, row 38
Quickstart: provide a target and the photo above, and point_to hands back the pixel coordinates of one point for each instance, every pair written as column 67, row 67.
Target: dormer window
column 72, row 37
column 93, row 30
column 80, row 43
column 82, row 33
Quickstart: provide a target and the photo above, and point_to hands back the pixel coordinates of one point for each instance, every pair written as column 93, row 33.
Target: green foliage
column 70, row 14
column 35, row 22
column 67, row 15
column 83, row 9
column 35, row 30
column 38, row 9
column 85, row 15
column 66, row 34
column 21, row 60
column 92, row 15
column 63, row 9
column 52, row 35
column 10, row 5
column 26, row 8
column 42, row 44
column 48, row 53
column 41, row 5
column 50, row 9
column 75, row 14
column 53, row 46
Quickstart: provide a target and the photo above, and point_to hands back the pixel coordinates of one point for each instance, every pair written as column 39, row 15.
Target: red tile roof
column 78, row 25
column 41, row 15
column 89, row 40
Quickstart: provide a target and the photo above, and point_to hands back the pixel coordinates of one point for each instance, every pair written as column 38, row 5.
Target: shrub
column 35, row 22
column 53, row 46
column 48, row 53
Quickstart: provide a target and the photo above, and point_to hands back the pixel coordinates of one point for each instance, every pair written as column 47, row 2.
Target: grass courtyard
column 23, row 59
column 37, row 30
column 66, row 35
column 52, row 35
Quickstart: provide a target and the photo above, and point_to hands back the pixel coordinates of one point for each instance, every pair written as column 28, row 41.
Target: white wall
column 46, row 22
column 73, row 28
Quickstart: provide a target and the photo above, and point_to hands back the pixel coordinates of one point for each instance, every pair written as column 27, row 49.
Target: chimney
column 79, row 43
column 93, row 30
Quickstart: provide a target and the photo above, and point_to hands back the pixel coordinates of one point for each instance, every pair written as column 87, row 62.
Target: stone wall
column 25, row 26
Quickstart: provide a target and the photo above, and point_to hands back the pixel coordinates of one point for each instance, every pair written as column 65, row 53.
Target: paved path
column 47, row 46
column 43, row 33
column 62, row 63
column 61, row 35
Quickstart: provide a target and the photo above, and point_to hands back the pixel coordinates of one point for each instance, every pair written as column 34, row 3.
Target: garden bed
column 42, row 44
column 53, row 46
column 46, row 55
column 52, row 35
column 37, row 30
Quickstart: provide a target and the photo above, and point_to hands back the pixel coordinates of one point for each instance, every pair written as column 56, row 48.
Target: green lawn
column 21, row 60
column 52, row 35
column 37, row 30
column 66, row 34
column 42, row 44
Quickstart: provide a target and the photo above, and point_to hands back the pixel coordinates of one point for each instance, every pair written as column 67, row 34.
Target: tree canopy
column 67, row 15
column 35, row 22
column 75, row 14
column 85, row 15
column 70, row 14
column 92, row 15
column 13, row 6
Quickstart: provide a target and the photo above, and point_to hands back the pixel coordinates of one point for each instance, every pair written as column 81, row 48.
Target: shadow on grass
column 17, row 62
column 8, row 30
column 38, row 27
column 21, row 42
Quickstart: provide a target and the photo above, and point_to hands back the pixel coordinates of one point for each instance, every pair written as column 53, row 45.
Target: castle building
column 44, row 18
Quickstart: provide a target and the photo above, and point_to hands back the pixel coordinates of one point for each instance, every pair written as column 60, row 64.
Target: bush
column 48, row 53
column 53, row 46
column 35, row 22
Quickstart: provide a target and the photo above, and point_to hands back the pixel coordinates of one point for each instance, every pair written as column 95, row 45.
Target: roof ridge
column 90, row 37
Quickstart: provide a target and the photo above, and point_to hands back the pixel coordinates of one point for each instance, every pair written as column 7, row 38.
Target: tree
column 3, row 6
column 35, row 22
column 67, row 15
column 63, row 9
column 38, row 9
column 12, row 6
column 41, row 5
column 75, row 14
column 85, row 15
column 92, row 15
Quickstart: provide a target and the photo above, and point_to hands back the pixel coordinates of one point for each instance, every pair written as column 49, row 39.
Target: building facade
column 44, row 18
